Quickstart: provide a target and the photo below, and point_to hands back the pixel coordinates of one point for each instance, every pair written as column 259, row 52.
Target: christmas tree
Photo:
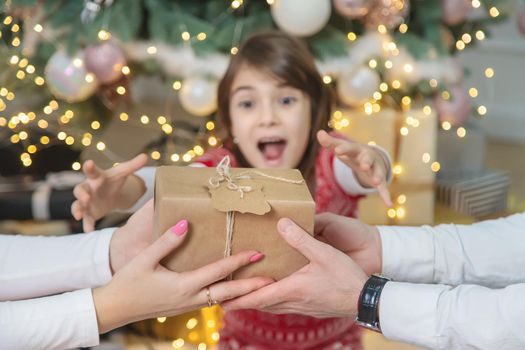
column 71, row 64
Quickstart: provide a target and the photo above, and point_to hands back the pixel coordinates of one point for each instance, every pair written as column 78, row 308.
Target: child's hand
column 368, row 165
column 107, row 190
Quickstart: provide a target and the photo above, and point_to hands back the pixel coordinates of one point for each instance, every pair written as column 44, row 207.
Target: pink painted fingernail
column 256, row 257
column 180, row 228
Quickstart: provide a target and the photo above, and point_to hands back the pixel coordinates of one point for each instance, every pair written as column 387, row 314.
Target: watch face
column 371, row 294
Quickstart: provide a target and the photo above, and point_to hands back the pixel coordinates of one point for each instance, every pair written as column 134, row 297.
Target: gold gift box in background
column 410, row 137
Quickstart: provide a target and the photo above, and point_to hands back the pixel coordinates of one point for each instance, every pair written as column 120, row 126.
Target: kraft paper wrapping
column 183, row 193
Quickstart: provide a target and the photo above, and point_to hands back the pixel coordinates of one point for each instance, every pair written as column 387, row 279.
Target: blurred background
column 437, row 83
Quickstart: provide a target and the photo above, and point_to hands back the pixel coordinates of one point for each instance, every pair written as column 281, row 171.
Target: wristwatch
column 367, row 305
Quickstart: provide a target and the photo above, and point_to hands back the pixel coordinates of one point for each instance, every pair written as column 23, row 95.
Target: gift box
column 410, row 139
column 413, row 205
column 416, row 148
column 232, row 210
column 25, row 198
column 379, row 128
column 461, row 157
column 476, row 195
column 24, row 205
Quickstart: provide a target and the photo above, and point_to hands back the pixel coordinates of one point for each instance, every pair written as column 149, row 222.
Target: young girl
column 274, row 104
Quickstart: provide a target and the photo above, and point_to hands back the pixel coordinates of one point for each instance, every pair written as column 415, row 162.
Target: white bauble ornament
column 301, row 17
column 404, row 68
column 198, row 96
column 68, row 78
column 356, row 86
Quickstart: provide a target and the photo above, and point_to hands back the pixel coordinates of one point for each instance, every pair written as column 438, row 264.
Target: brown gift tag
column 184, row 193
column 254, row 201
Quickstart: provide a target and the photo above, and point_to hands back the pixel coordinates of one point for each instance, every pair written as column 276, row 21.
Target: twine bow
column 224, row 175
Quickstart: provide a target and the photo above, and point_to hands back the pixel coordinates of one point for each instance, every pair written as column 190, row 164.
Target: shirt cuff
column 102, row 268
column 408, row 313
column 347, row 179
column 61, row 321
column 408, row 253
column 387, row 159
column 146, row 174
column 87, row 320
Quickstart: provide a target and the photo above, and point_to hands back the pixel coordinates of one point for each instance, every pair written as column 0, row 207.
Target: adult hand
column 358, row 240
column 132, row 238
column 145, row 289
column 329, row 286
column 107, row 190
column 367, row 163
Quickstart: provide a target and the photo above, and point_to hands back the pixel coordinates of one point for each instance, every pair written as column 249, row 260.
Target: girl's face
column 270, row 120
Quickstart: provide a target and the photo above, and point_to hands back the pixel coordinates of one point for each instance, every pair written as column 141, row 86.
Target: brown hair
column 289, row 60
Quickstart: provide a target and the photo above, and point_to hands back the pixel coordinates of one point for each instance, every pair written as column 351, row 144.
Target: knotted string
column 224, row 175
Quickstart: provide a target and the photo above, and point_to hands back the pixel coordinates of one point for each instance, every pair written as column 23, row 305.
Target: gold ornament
column 389, row 13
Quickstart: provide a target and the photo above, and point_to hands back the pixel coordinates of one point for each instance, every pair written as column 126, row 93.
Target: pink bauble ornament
column 389, row 13
column 457, row 108
column 521, row 21
column 453, row 72
column 105, row 61
column 352, row 8
column 455, row 11
column 68, row 79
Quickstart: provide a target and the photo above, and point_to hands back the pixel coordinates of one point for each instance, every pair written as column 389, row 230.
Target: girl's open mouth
column 272, row 148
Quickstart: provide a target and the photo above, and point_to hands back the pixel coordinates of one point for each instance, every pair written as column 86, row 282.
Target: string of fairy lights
column 86, row 138
column 22, row 124
column 37, row 129
column 373, row 106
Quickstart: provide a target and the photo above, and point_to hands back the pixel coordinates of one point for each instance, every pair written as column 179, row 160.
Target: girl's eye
column 245, row 104
column 288, row 100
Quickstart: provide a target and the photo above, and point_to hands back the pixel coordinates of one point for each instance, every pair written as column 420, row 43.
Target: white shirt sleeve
column 346, row 178
column 32, row 267
column 489, row 253
column 146, row 174
column 438, row 316
column 444, row 317
column 57, row 322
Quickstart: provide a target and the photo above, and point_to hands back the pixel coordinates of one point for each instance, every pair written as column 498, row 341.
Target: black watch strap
column 367, row 306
